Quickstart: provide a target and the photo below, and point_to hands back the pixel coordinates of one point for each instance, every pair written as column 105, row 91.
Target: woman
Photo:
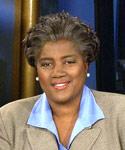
column 68, row 115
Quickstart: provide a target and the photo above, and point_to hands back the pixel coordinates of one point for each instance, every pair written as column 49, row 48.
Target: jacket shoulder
column 18, row 108
column 110, row 101
column 101, row 94
column 108, row 96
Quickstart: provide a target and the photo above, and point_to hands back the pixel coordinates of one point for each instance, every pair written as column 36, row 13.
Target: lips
column 61, row 85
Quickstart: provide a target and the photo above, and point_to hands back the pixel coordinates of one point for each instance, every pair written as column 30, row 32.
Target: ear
column 86, row 66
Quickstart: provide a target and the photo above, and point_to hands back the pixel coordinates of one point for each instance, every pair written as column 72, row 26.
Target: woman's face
column 62, row 71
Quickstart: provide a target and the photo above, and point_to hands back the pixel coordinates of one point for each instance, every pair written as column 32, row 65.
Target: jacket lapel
column 40, row 139
column 86, row 139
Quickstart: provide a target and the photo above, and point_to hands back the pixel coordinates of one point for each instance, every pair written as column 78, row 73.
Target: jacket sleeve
column 4, row 141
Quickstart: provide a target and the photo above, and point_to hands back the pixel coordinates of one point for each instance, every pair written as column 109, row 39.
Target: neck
column 65, row 117
column 65, row 110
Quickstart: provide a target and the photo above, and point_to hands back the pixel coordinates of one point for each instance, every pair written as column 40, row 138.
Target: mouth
column 61, row 85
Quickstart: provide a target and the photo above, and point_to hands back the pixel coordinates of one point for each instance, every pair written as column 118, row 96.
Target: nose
column 58, row 71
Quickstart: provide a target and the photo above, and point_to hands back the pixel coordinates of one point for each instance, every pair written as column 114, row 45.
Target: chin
column 60, row 99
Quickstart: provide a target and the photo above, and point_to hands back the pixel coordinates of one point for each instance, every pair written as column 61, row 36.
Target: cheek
column 81, row 73
column 43, row 78
column 81, row 70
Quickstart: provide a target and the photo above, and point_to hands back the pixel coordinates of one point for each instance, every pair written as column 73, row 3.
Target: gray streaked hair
column 59, row 26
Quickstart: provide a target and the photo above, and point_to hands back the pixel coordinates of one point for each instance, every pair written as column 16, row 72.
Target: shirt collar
column 89, row 113
column 41, row 115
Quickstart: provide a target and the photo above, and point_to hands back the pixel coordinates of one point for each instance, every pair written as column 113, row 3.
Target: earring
column 88, row 75
column 37, row 78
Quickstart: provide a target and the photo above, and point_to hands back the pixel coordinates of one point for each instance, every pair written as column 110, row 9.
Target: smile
column 61, row 86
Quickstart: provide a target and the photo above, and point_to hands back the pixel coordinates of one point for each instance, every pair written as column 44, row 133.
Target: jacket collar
column 86, row 139
column 42, row 139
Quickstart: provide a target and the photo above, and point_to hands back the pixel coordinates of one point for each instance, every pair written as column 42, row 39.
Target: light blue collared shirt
column 89, row 113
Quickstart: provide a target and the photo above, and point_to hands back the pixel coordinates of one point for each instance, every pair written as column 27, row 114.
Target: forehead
column 59, row 48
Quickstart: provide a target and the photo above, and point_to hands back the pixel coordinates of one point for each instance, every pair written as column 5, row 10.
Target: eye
column 46, row 65
column 70, row 61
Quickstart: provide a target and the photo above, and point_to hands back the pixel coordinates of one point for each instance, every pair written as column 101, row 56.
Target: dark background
column 106, row 17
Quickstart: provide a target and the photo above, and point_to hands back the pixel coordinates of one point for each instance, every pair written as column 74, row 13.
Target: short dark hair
column 58, row 26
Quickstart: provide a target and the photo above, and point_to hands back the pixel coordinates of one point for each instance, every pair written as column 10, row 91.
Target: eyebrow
column 68, row 56
column 63, row 57
column 45, row 58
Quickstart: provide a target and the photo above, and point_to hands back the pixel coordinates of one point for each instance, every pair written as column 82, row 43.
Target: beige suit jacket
column 106, row 134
